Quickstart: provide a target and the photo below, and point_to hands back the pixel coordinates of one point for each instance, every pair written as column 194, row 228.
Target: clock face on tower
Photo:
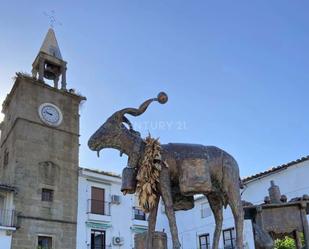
column 50, row 114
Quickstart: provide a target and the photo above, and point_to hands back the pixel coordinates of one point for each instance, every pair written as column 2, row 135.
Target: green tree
column 286, row 243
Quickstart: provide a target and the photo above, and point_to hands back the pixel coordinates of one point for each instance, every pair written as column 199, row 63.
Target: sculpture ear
column 127, row 121
column 136, row 133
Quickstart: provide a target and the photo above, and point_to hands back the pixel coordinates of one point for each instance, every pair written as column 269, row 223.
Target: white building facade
column 106, row 219
column 196, row 226
column 7, row 216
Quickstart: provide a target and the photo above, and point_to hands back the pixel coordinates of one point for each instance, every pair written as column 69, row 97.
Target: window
column 97, row 239
column 97, row 200
column 45, row 242
column 139, row 214
column 229, row 238
column 47, row 194
column 204, row 241
column 6, row 157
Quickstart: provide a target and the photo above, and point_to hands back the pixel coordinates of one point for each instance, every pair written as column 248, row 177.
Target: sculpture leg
column 165, row 187
column 152, row 224
column 237, row 210
column 297, row 239
column 216, row 206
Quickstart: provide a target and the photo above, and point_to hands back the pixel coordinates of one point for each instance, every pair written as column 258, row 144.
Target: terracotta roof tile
column 275, row 169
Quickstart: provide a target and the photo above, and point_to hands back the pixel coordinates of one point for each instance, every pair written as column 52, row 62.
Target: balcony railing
column 7, row 218
column 99, row 207
column 138, row 214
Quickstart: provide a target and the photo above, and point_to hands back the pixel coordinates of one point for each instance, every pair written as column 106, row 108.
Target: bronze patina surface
column 192, row 169
column 159, row 240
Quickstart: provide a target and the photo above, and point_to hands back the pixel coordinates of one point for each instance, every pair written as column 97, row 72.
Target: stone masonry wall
column 41, row 156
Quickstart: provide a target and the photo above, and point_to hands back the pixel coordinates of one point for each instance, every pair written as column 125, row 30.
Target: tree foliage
column 286, row 243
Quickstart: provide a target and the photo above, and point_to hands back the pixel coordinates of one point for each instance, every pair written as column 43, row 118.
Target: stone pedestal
column 159, row 240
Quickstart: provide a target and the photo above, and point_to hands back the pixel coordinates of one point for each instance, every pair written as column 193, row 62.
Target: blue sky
column 236, row 72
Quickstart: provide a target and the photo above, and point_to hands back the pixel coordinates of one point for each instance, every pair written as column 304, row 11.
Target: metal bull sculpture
column 192, row 169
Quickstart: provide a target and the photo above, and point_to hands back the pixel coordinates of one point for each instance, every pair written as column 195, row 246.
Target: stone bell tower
column 39, row 149
column 49, row 63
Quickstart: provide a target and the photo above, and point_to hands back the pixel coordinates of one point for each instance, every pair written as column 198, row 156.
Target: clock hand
column 48, row 113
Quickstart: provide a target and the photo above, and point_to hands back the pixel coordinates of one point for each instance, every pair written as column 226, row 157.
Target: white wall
column 6, row 232
column 5, row 240
column 293, row 182
column 121, row 218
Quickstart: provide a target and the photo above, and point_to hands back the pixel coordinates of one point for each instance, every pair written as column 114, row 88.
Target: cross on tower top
column 52, row 18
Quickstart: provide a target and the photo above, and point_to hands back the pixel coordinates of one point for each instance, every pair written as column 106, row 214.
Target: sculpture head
column 118, row 133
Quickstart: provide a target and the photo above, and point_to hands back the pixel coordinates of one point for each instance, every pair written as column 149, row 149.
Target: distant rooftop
column 102, row 172
column 275, row 169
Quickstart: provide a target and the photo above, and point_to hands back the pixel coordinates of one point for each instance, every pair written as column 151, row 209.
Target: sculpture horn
column 161, row 98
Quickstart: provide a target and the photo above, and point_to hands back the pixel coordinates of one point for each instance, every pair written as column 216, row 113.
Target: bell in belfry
column 51, row 71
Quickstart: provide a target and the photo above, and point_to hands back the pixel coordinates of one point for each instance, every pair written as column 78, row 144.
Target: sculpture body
column 192, row 169
column 222, row 171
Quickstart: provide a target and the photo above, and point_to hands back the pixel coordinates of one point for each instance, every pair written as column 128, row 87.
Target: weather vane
column 52, row 19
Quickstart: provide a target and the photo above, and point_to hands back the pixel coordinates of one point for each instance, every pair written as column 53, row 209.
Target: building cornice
column 101, row 172
column 7, row 187
column 29, row 79
column 45, row 219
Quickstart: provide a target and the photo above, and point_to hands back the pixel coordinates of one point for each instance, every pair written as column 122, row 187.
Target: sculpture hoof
column 177, row 246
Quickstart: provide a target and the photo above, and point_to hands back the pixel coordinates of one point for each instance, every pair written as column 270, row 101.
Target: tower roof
column 50, row 45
